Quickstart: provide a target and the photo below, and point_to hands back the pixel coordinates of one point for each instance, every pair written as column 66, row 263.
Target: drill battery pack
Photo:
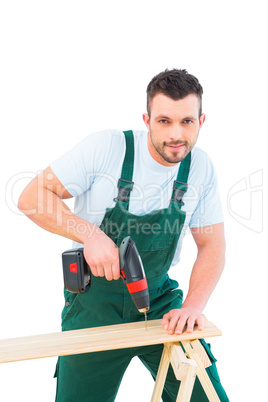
column 76, row 272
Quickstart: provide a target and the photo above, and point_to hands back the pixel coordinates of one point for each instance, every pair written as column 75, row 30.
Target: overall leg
column 91, row 377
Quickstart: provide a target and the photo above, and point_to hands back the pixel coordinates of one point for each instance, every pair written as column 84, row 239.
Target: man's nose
column 176, row 133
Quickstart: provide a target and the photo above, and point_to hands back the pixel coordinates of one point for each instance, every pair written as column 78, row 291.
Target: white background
column 69, row 68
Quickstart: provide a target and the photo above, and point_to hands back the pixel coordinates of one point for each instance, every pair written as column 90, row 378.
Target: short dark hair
column 175, row 83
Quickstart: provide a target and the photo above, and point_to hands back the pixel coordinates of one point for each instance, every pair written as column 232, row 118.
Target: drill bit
column 145, row 316
column 144, row 311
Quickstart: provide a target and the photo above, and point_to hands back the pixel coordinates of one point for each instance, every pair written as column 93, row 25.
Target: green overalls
column 95, row 377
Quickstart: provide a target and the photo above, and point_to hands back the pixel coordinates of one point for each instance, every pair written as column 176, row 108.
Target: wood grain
column 94, row 339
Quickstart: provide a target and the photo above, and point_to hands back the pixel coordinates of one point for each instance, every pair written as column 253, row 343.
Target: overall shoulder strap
column 128, row 164
column 184, row 169
column 125, row 183
column 180, row 185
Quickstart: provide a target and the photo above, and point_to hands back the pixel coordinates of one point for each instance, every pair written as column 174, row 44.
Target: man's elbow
column 26, row 201
column 23, row 202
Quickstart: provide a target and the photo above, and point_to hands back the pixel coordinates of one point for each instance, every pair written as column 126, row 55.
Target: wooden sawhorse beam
column 185, row 369
column 186, row 363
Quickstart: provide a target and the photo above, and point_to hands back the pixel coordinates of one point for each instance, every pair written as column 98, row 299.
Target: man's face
column 173, row 128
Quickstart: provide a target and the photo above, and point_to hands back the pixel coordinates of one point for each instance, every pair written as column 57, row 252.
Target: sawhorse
column 185, row 353
column 186, row 364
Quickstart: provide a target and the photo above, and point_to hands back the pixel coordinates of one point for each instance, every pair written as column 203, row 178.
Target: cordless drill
column 77, row 275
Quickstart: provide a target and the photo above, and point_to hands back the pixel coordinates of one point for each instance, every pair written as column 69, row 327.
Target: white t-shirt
column 90, row 172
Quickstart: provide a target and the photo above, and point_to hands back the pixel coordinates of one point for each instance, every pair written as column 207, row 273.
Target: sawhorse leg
column 185, row 370
column 196, row 352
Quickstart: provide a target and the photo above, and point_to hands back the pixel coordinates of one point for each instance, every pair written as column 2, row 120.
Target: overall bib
column 95, row 377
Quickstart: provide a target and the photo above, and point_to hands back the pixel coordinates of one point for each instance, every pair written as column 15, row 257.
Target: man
column 166, row 185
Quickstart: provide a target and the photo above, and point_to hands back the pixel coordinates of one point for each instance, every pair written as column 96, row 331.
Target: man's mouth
column 175, row 147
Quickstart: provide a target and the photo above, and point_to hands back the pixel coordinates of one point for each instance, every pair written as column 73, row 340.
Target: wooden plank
column 94, row 339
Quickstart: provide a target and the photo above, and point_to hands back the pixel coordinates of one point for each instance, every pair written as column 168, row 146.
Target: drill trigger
column 123, row 276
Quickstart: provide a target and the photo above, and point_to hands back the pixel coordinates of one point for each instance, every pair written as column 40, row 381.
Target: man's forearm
column 42, row 202
column 205, row 275
column 48, row 211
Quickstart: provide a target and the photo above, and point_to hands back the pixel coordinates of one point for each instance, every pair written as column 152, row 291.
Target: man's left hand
column 175, row 320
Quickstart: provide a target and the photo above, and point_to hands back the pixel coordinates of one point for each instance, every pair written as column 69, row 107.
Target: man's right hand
column 102, row 255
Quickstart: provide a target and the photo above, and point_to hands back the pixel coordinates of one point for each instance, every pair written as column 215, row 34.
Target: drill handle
column 130, row 262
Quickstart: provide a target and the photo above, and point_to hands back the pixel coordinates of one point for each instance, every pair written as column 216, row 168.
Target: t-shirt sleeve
column 209, row 209
column 77, row 168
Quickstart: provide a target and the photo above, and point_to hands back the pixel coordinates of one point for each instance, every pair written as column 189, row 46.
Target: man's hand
column 102, row 255
column 175, row 320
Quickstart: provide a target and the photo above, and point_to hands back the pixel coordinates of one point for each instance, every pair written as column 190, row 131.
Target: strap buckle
column 123, row 193
column 179, row 189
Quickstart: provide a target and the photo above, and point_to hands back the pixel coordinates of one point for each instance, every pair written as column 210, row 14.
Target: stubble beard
column 167, row 154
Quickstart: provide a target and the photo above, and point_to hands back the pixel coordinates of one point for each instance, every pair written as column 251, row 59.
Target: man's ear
column 146, row 119
column 202, row 120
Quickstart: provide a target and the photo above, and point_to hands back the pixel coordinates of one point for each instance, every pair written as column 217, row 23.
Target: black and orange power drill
column 77, row 274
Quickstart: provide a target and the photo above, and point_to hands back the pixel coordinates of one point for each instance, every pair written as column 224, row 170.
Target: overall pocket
column 69, row 307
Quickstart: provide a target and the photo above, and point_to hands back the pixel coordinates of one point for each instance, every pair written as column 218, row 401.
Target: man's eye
column 163, row 121
column 187, row 121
